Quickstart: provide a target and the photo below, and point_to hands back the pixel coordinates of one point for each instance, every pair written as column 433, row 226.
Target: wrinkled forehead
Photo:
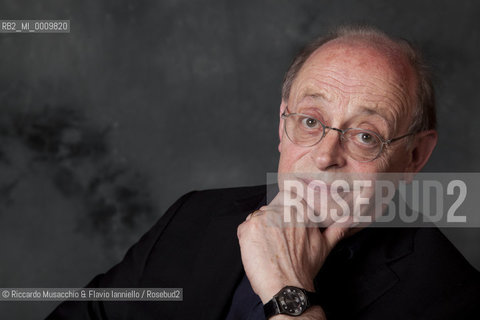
column 379, row 68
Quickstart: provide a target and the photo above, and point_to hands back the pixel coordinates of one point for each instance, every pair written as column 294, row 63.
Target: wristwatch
column 291, row 301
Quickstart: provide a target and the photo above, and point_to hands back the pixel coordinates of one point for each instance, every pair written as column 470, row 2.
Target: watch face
column 292, row 301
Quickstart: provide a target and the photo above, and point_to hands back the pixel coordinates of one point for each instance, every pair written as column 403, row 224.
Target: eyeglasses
column 360, row 144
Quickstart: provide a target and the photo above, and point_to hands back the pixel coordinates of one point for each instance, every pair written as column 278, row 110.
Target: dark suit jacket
column 388, row 273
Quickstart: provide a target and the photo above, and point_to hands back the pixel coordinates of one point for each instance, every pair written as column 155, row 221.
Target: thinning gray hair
column 424, row 113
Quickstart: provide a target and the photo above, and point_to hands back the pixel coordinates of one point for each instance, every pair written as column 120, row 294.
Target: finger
column 336, row 232
column 287, row 198
column 255, row 214
column 292, row 206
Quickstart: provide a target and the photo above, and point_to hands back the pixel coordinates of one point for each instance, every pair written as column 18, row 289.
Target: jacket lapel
column 369, row 286
column 348, row 283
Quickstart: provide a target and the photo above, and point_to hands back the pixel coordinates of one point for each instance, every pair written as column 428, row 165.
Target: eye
column 310, row 123
column 366, row 138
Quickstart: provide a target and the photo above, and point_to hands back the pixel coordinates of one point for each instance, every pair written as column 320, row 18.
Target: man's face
column 349, row 86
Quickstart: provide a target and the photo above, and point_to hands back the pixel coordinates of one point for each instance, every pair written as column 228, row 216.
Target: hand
column 276, row 254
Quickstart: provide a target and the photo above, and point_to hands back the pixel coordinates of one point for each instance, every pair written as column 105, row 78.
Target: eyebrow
column 364, row 109
column 318, row 96
column 370, row 111
column 314, row 96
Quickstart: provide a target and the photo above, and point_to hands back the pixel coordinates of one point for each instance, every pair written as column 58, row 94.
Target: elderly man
column 357, row 101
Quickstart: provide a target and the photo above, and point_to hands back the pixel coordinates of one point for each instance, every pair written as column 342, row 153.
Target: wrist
column 313, row 313
column 290, row 301
column 267, row 293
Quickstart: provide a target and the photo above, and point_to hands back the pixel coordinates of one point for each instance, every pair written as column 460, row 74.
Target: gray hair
column 424, row 115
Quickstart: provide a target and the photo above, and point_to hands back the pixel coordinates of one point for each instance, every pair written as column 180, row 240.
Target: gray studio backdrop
column 103, row 128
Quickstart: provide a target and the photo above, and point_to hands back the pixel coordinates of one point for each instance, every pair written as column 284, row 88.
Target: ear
column 281, row 125
column 423, row 146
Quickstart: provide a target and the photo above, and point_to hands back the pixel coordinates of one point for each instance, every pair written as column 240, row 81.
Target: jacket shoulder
column 229, row 195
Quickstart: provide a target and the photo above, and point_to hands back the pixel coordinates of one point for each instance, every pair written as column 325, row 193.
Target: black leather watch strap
column 313, row 298
column 271, row 308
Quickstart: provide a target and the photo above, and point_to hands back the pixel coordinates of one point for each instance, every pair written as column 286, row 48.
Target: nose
column 328, row 153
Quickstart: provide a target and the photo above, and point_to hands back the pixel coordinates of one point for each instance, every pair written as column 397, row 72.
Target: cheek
column 365, row 167
column 394, row 161
column 291, row 158
column 287, row 162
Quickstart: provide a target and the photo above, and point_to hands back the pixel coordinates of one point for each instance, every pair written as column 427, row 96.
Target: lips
column 316, row 185
column 322, row 186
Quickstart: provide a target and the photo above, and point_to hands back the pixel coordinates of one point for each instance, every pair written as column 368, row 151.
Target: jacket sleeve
column 125, row 274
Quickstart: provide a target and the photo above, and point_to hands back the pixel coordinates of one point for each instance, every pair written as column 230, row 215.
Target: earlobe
column 424, row 144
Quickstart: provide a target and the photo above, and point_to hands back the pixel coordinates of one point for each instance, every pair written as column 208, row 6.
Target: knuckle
column 341, row 234
column 240, row 231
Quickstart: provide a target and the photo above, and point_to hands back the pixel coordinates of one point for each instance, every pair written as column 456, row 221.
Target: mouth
column 316, row 185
